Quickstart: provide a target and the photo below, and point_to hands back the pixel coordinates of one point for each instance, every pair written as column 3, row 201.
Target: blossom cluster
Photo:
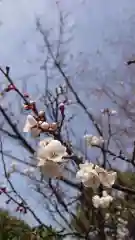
column 51, row 153
column 36, row 125
column 103, row 201
column 92, row 176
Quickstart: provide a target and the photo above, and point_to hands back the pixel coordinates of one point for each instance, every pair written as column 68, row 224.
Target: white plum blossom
column 50, row 154
column 31, row 125
column 122, row 230
column 92, row 176
column 88, row 175
column 106, row 178
column 107, row 216
column 103, row 201
column 51, row 150
column 93, row 140
column 96, row 201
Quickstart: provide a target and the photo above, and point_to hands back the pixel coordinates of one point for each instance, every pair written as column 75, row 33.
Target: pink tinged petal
column 45, row 125
column 54, row 126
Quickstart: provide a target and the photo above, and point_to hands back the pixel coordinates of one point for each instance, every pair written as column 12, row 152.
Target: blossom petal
column 57, row 147
column 96, row 201
column 35, row 132
column 45, row 142
column 50, row 169
column 89, row 177
column 52, row 150
column 86, row 165
column 30, row 122
column 111, row 177
column 107, row 178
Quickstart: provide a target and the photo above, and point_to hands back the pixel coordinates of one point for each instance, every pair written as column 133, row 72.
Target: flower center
column 53, row 154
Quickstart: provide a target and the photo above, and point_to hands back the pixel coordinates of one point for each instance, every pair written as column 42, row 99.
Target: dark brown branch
column 16, row 131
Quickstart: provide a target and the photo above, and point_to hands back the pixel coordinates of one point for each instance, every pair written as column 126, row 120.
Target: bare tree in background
column 67, row 201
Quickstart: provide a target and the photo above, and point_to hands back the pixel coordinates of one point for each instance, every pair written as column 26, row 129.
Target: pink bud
column 62, row 108
column 10, row 87
column 26, row 107
column 17, row 209
column 26, row 95
column 3, row 190
column 45, row 125
column 21, row 209
column 25, row 210
column 53, row 126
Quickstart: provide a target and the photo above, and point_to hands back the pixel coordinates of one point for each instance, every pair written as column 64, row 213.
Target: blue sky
column 104, row 31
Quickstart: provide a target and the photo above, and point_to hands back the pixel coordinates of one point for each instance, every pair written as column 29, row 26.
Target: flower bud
column 54, row 126
column 10, row 87
column 62, row 108
column 41, row 113
column 3, row 190
column 26, row 107
column 45, row 125
column 21, row 209
column 17, row 209
column 26, row 95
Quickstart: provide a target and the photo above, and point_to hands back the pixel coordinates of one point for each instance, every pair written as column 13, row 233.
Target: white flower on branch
column 50, row 154
column 93, row 140
column 103, row 201
column 122, row 230
column 106, row 178
column 92, row 176
column 31, row 125
column 88, row 175
column 96, row 201
column 50, row 149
